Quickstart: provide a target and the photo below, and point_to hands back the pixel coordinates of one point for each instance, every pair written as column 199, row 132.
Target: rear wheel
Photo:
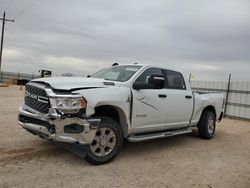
column 206, row 125
column 107, row 142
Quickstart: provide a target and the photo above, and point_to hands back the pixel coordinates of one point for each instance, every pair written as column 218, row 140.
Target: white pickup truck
column 134, row 102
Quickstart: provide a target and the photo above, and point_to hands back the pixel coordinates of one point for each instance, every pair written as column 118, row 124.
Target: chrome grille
column 31, row 99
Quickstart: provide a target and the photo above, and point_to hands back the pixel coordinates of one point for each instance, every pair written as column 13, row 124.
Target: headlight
column 68, row 105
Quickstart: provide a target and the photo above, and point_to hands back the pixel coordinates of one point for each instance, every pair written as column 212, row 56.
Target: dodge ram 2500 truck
column 134, row 102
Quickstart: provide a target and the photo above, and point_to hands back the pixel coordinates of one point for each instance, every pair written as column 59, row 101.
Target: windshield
column 117, row 73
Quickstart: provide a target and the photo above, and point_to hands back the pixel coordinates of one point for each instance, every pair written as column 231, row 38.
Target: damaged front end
column 53, row 116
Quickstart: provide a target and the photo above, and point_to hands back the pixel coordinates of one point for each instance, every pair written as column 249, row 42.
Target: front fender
column 114, row 96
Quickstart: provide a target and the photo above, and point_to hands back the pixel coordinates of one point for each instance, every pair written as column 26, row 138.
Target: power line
column 3, row 24
column 20, row 10
column 9, row 5
column 28, row 5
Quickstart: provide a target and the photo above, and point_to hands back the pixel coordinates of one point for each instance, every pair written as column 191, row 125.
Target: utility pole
column 3, row 23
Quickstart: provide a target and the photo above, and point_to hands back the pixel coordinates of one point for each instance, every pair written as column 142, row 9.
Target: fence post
column 18, row 75
column 227, row 94
column 189, row 78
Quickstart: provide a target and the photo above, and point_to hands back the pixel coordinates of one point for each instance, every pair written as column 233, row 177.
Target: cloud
column 67, row 64
column 208, row 38
column 13, row 54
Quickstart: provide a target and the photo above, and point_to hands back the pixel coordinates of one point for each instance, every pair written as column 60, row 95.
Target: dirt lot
column 183, row 161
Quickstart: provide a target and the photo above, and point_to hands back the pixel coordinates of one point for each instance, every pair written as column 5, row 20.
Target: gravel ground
column 182, row 161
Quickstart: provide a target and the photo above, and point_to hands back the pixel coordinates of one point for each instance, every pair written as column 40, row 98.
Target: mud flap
column 77, row 149
column 221, row 116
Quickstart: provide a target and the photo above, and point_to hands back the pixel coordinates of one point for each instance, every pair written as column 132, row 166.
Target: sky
column 208, row 38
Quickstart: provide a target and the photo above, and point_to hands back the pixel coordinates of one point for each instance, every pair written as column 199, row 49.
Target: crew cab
column 135, row 102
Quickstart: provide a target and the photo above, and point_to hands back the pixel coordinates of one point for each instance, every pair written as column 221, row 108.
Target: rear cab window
column 174, row 80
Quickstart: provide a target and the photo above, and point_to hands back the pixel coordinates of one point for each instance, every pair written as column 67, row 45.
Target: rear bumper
column 57, row 127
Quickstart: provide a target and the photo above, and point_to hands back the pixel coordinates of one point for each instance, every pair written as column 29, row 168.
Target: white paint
column 149, row 111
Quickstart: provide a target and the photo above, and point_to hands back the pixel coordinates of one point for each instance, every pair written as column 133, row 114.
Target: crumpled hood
column 69, row 83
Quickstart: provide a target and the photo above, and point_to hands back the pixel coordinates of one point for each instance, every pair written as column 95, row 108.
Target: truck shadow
column 156, row 145
column 50, row 150
column 166, row 145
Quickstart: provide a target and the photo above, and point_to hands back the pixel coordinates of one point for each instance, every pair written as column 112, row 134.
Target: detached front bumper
column 58, row 127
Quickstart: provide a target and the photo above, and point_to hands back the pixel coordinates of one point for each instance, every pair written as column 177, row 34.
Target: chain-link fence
column 6, row 76
column 237, row 95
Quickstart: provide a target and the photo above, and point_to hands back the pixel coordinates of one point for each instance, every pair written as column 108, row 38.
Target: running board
column 140, row 138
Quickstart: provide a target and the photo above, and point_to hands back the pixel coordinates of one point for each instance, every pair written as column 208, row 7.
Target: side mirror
column 157, row 81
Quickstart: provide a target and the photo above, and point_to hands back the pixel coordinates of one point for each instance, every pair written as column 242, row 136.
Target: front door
column 149, row 105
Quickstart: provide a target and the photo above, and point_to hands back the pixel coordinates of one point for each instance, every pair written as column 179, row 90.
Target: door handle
column 162, row 95
column 188, row 97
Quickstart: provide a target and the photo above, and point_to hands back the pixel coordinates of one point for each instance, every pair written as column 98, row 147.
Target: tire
column 206, row 125
column 107, row 142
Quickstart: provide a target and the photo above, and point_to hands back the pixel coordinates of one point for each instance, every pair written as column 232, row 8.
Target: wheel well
column 115, row 113
column 211, row 109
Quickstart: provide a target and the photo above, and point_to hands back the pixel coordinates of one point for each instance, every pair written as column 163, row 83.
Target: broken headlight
column 68, row 105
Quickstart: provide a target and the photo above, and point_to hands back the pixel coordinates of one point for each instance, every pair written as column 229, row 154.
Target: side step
column 139, row 138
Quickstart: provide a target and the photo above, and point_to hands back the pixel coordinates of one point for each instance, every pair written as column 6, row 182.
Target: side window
column 175, row 80
column 144, row 77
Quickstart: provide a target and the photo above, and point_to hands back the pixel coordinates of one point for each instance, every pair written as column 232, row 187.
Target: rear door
column 179, row 100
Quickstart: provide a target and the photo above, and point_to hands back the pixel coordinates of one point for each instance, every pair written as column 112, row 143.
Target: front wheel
column 107, row 142
column 206, row 125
